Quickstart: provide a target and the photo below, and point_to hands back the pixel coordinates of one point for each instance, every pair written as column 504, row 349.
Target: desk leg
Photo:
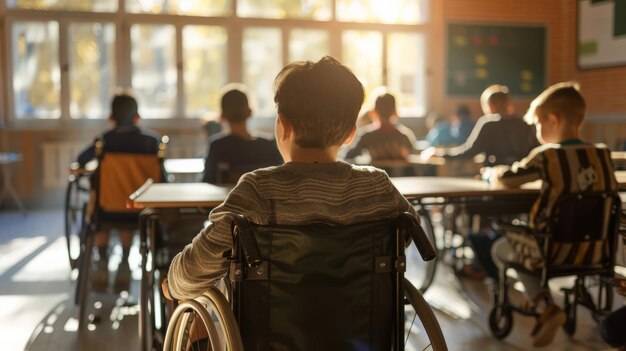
column 147, row 222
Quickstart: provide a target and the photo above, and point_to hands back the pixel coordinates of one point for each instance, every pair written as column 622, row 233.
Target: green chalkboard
column 480, row 55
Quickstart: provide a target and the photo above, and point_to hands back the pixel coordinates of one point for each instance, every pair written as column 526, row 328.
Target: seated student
column 318, row 104
column 384, row 139
column 236, row 151
column 439, row 133
column 500, row 135
column 449, row 132
column 461, row 125
column 565, row 163
column 125, row 137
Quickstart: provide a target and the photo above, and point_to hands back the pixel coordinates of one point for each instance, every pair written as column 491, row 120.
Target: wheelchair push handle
column 242, row 232
column 419, row 237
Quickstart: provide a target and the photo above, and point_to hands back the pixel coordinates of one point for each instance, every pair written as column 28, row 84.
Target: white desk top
column 162, row 195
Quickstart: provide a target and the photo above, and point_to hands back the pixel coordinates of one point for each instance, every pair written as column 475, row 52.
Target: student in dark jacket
column 235, row 151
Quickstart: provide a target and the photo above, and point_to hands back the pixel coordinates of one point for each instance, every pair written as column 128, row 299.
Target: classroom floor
column 37, row 311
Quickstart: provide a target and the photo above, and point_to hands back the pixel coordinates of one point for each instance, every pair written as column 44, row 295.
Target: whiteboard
column 601, row 33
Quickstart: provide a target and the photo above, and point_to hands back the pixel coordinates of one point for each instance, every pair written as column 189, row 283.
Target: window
column 72, row 5
column 319, row 10
column 380, row 11
column 154, row 78
column 308, row 44
column 363, row 53
column 205, row 68
column 91, row 69
column 405, row 72
column 68, row 57
column 262, row 60
column 180, row 7
column 36, row 73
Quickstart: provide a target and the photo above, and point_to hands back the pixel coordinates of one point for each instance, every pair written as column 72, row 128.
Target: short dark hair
column 385, row 105
column 563, row 100
column 497, row 96
column 235, row 106
column 124, row 109
column 320, row 99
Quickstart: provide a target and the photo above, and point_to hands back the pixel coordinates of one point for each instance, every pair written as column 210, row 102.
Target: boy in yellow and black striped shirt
column 565, row 164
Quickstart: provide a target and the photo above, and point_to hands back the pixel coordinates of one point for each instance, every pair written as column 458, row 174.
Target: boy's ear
column 136, row 118
column 553, row 119
column 350, row 137
column 286, row 127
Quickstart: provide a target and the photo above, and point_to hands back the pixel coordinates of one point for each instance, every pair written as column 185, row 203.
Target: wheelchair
column 117, row 176
column 313, row 287
column 580, row 241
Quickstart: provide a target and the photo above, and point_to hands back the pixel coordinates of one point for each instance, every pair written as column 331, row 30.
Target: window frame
column 123, row 22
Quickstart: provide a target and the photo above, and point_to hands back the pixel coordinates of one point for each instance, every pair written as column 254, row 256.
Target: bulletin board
column 601, row 33
column 480, row 55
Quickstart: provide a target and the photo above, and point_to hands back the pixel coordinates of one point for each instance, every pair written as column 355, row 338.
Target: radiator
column 58, row 155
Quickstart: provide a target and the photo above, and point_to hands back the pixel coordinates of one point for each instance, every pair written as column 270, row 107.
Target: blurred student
column 124, row 137
column 318, row 104
column 566, row 164
column 235, row 151
column 439, row 133
column 461, row 125
column 384, row 139
column 450, row 131
column 500, row 135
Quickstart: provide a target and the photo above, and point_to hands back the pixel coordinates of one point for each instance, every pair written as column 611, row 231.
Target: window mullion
column 64, row 71
column 384, row 58
column 180, row 84
column 235, row 52
column 122, row 55
column 286, row 32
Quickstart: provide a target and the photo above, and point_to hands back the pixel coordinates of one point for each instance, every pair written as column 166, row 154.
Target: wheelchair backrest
column 318, row 286
column 583, row 229
column 120, row 174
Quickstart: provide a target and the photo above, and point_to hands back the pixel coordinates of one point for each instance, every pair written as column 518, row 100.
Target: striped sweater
column 293, row 193
column 569, row 167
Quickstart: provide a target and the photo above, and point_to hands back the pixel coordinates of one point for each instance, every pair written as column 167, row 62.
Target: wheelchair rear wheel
column 207, row 315
column 76, row 197
column 501, row 321
column 422, row 329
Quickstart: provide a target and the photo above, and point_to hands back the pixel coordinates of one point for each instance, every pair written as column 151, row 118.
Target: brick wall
column 604, row 89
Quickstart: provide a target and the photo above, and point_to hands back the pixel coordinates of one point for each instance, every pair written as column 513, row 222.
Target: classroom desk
column 441, row 166
column 191, row 201
column 475, row 197
column 7, row 160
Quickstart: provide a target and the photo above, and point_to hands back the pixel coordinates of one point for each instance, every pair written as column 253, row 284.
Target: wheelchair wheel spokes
column 421, row 274
column 422, row 330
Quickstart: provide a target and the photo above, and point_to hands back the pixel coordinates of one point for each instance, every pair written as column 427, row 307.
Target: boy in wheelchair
column 566, row 164
column 124, row 137
column 318, row 104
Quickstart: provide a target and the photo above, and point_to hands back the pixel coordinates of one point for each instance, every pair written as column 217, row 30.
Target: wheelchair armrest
column 241, row 231
column 419, row 237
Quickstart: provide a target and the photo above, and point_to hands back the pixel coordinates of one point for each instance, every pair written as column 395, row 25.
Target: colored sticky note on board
column 619, row 21
column 588, row 48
